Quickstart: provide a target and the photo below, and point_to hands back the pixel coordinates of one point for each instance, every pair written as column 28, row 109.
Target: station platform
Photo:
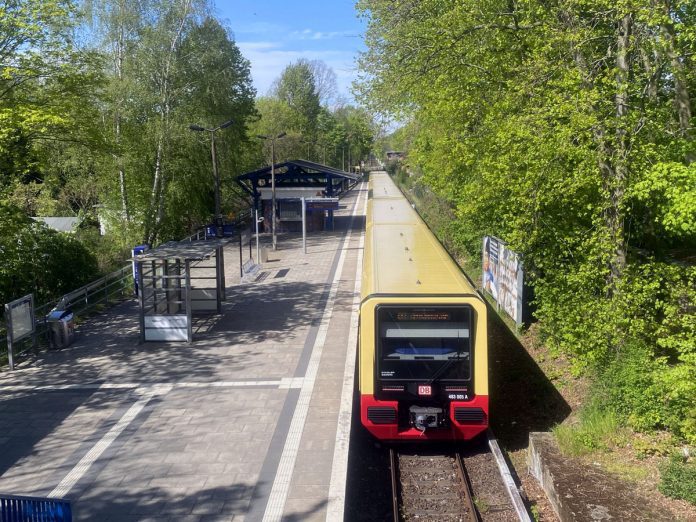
column 249, row 422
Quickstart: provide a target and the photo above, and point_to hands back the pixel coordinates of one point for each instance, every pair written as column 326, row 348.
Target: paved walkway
column 250, row 422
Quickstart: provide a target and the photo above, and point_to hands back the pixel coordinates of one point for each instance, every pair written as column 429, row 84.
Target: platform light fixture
column 272, row 139
column 216, row 175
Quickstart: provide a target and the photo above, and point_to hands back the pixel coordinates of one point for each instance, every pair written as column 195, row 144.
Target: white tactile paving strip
column 339, row 467
column 281, row 484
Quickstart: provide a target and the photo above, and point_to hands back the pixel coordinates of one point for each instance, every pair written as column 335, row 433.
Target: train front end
column 423, row 367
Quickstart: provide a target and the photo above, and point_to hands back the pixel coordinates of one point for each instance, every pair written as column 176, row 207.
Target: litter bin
column 61, row 328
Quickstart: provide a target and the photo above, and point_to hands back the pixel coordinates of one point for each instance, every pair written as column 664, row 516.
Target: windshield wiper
column 446, row 366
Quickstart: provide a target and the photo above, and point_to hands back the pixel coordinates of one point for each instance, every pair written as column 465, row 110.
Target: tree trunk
column 120, row 46
column 158, row 193
column 150, row 225
column 616, row 185
column 612, row 161
column 682, row 100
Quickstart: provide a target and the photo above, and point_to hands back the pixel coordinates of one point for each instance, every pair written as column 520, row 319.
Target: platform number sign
column 425, row 390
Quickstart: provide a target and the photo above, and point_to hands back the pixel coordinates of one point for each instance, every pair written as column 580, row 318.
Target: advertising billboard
column 503, row 277
column 20, row 318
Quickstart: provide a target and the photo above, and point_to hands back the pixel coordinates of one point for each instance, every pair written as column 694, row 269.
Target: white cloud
column 309, row 34
column 256, row 46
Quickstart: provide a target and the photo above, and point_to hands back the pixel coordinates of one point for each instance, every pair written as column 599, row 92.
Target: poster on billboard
column 503, row 277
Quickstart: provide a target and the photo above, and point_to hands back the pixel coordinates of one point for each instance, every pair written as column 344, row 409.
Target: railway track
column 431, row 488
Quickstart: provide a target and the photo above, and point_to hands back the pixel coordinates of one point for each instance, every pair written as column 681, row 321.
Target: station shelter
column 295, row 180
column 177, row 280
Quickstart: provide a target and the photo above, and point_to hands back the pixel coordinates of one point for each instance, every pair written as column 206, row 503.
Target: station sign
column 321, row 203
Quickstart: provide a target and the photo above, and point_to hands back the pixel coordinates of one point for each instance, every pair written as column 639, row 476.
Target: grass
column 596, row 430
column 628, row 471
column 481, row 505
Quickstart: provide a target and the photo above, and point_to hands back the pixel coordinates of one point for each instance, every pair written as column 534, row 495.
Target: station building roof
column 61, row 224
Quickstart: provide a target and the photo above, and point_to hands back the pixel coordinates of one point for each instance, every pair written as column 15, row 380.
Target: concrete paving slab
column 239, row 425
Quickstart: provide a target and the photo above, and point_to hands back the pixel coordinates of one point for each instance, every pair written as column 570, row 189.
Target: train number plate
column 424, row 389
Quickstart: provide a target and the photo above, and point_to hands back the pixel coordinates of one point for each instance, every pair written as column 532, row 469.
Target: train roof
column 402, row 256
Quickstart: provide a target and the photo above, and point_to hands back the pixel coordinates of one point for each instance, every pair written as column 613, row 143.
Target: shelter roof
column 297, row 168
column 184, row 250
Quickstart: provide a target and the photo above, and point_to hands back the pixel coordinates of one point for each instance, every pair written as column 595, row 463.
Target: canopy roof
column 295, row 173
column 191, row 250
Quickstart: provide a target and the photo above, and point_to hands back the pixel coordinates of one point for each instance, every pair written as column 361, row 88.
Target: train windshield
column 424, row 343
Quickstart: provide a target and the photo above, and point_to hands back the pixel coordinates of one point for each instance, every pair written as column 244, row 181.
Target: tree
column 549, row 125
column 324, row 82
column 118, row 24
column 298, row 89
column 172, row 65
column 45, row 84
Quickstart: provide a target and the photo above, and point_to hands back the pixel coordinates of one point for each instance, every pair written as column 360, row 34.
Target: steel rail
column 395, row 484
column 466, row 484
column 463, row 486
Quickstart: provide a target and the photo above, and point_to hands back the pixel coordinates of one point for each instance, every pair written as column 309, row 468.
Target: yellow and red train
column 423, row 357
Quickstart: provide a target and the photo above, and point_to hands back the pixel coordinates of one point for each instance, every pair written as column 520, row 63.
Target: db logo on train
column 424, row 389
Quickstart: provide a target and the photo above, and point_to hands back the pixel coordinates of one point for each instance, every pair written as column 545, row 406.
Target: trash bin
column 61, row 328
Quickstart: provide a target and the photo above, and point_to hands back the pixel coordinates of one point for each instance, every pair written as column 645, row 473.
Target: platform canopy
column 175, row 281
column 297, row 174
column 183, row 250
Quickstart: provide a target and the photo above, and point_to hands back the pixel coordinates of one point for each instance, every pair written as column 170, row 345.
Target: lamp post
column 216, row 175
column 308, row 143
column 272, row 139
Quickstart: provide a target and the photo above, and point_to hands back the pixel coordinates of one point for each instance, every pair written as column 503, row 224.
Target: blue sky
column 274, row 33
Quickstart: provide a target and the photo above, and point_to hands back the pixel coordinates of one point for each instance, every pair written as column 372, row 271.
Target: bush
column 38, row 260
column 678, row 479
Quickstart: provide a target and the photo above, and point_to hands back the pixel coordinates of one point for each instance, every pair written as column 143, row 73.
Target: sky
column 274, row 33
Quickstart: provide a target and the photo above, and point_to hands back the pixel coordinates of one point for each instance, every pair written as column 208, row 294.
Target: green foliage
column 297, row 88
column 338, row 137
column 667, row 195
column 100, row 130
column 36, row 259
column 565, row 130
column 678, row 479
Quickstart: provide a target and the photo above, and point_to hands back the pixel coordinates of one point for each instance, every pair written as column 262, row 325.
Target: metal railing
column 202, row 233
column 104, row 291
column 31, row 509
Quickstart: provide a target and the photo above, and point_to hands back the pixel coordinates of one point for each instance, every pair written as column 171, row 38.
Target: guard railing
column 98, row 294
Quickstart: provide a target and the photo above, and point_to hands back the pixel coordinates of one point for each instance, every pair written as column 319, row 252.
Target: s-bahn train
column 423, row 352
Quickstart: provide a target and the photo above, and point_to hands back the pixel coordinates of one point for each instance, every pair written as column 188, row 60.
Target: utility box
column 61, row 328
column 137, row 250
